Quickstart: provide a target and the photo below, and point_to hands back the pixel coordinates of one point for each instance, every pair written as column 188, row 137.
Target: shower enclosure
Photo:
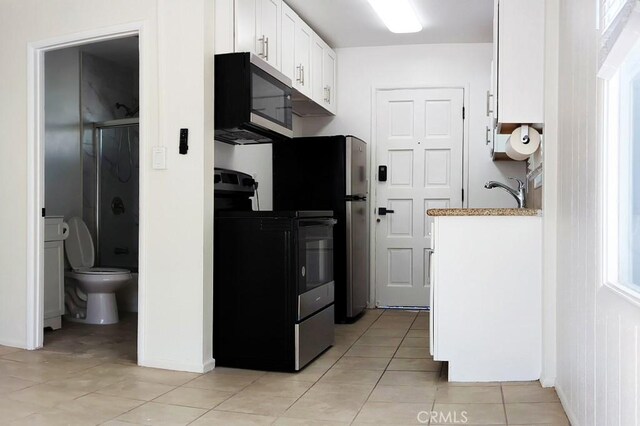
column 116, row 145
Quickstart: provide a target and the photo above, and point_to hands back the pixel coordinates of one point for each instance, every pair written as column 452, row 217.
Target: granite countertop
column 484, row 212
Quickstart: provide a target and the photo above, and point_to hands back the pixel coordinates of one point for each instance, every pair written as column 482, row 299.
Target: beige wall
column 176, row 261
column 598, row 343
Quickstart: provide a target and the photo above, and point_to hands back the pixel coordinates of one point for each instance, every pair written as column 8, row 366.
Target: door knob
column 383, row 211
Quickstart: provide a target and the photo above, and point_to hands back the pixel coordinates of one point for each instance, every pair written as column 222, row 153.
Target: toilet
column 90, row 291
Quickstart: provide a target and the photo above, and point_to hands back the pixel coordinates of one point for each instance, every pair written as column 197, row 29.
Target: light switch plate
column 159, row 158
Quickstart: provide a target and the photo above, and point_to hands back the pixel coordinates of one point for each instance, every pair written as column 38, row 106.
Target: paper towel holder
column 524, row 134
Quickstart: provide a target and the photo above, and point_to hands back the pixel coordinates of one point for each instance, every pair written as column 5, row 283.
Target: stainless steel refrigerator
column 331, row 173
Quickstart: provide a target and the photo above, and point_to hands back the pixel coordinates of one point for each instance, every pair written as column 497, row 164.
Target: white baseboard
column 178, row 366
column 548, row 382
column 567, row 408
column 13, row 344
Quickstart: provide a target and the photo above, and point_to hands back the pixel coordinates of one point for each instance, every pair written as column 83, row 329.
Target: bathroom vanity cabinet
column 55, row 232
column 486, row 281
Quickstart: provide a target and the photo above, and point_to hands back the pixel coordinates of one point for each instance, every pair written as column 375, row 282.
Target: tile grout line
column 299, row 397
column 385, row 370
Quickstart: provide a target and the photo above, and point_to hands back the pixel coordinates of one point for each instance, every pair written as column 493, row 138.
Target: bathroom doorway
column 91, row 199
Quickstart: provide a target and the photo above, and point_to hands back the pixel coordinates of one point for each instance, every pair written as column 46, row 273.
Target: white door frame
column 35, row 169
column 374, row 170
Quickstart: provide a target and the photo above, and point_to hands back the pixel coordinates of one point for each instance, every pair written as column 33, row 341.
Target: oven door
column 315, row 265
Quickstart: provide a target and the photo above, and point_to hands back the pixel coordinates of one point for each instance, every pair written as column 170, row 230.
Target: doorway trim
column 35, row 169
column 466, row 102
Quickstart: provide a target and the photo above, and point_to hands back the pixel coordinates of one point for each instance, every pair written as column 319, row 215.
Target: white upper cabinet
column 323, row 74
column 329, row 80
column 303, row 37
column 317, row 69
column 257, row 28
column 274, row 32
column 270, row 12
column 246, row 31
column 288, row 42
column 518, row 85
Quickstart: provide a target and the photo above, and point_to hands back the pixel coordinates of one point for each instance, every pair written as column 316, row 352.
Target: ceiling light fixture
column 398, row 15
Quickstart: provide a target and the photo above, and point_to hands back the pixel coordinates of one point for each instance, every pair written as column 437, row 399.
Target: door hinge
column 464, row 114
column 462, row 194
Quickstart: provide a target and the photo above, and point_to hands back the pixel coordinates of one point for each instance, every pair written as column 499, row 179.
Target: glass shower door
column 117, row 209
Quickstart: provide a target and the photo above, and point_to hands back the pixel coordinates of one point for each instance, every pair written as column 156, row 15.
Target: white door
column 420, row 141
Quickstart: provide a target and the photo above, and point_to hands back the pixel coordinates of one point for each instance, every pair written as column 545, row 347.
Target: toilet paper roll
column 522, row 143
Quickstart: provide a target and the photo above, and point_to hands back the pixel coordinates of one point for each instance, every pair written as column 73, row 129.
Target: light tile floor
column 378, row 372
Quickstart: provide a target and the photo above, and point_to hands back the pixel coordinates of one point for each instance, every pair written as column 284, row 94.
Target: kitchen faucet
column 517, row 194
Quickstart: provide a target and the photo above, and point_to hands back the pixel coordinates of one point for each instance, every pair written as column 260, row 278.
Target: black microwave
column 252, row 100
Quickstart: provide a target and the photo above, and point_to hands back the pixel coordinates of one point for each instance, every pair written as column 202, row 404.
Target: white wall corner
column 550, row 195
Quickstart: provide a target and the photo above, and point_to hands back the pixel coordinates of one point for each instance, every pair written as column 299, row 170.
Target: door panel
column 246, row 26
column 420, row 140
column 303, row 39
column 329, row 78
column 287, row 42
column 401, row 168
column 317, row 56
column 270, row 14
column 401, row 220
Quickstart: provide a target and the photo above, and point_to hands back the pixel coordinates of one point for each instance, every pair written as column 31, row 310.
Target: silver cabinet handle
column 489, row 110
column 298, row 78
column 266, row 43
column 302, row 74
column 326, row 94
column 487, row 135
column 261, row 40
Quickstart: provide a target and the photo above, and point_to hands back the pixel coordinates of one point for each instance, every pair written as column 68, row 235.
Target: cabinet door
column 329, row 80
column 287, row 42
column 268, row 22
column 520, row 64
column 53, row 279
column 316, row 77
column 304, row 36
column 246, row 26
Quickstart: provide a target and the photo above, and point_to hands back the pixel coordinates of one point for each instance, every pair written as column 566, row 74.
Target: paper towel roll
column 522, row 143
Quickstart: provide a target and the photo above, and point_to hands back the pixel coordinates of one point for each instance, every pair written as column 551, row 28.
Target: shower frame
column 97, row 146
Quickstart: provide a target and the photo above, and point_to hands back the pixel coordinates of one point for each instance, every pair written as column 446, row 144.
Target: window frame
column 613, row 82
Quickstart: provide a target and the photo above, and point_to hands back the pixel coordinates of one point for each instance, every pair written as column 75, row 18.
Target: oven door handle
column 327, row 222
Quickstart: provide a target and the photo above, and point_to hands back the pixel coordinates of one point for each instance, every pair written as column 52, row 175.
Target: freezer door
column 357, row 227
column 357, row 178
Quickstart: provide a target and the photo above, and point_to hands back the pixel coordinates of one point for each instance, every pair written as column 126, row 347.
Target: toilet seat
column 80, row 253
column 101, row 271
